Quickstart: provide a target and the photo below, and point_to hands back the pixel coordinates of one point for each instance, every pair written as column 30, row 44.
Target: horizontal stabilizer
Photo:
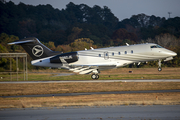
column 21, row 42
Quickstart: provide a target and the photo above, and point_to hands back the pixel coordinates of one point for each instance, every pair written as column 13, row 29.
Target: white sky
column 120, row 8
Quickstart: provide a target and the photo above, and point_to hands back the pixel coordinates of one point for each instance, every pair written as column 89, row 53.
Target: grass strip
column 114, row 74
column 52, row 88
column 93, row 100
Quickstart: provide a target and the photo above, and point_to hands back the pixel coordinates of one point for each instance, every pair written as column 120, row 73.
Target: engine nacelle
column 68, row 57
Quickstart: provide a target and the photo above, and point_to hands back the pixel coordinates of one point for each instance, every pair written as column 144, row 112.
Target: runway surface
column 87, row 81
column 94, row 93
column 155, row 112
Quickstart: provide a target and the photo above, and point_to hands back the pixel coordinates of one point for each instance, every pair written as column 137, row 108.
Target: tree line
column 81, row 21
column 79, row 26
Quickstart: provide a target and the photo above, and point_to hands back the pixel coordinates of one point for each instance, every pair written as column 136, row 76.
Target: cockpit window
column 156, row 46
column 159, row 46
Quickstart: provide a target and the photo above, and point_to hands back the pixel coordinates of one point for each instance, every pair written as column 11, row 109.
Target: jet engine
column 68, row 57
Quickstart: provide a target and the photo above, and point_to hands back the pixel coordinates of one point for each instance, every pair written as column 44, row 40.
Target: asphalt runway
column 93, row 81
column 93, row 93
column 155, row 112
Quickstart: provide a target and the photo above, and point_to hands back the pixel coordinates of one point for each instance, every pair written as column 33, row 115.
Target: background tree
column 76, row 31
column 122, row 34
column 167, row 40
column 82, row 43
column 63, row 27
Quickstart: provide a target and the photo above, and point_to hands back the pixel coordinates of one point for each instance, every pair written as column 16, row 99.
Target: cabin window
column 119, row 53
column 112, row 54
column 132, row 51
column 125, row 52
column 99, row 55
column 106, row 54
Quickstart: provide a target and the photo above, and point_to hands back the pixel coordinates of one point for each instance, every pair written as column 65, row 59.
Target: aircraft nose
column 169, row 53
column 172, row 53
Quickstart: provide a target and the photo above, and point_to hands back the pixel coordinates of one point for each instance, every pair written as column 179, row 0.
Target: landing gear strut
column 159, row 68
column 95, row 76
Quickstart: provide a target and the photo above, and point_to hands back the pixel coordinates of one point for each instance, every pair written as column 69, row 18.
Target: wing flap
column 86, row 71
column 76, row 68
column 81, row 69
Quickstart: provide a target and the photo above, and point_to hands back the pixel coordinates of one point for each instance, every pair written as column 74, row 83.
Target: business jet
column 93, row 61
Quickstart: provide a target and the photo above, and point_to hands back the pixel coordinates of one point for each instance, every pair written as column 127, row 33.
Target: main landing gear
column 95, row 76
column 159, row 68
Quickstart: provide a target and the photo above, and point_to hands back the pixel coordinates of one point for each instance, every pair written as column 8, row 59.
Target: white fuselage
column 118, row 56
column 122, row 55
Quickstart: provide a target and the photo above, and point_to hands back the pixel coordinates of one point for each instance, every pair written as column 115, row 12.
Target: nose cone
column 172, row 53
column 168, row 53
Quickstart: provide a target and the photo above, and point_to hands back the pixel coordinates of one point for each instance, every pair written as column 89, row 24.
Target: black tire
column 95, row 76
column 159, row 69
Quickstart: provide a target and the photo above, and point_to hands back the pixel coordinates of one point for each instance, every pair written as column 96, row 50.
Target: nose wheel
column 95, row 76
column 159, row 69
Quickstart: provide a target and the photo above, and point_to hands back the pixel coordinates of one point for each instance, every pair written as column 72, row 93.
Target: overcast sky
column 121, row 8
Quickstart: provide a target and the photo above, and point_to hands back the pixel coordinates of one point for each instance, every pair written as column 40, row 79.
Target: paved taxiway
column 155, row 112
column 87, row 81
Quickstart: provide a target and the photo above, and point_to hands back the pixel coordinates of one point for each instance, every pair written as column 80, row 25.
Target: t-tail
column 35, row 48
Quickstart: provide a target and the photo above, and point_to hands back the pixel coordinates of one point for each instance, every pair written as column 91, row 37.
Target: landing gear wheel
column 97, row 76
column 94, row 76
column 159, row 69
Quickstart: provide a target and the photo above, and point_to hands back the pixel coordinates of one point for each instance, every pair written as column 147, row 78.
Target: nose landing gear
column 159, row 68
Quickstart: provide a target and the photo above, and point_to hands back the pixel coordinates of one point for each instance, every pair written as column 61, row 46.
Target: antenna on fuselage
column 127, row 44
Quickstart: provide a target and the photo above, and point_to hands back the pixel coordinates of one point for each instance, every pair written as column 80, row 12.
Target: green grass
column 46, row 77
column 113, row 74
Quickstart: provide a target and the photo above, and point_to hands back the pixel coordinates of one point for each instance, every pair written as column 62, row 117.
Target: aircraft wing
column 88, row 69
column 85, row 69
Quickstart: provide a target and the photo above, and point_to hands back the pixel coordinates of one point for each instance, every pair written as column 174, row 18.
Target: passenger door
column 106, row 55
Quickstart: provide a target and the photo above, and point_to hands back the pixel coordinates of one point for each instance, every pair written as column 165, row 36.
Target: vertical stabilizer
column 35, row 48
